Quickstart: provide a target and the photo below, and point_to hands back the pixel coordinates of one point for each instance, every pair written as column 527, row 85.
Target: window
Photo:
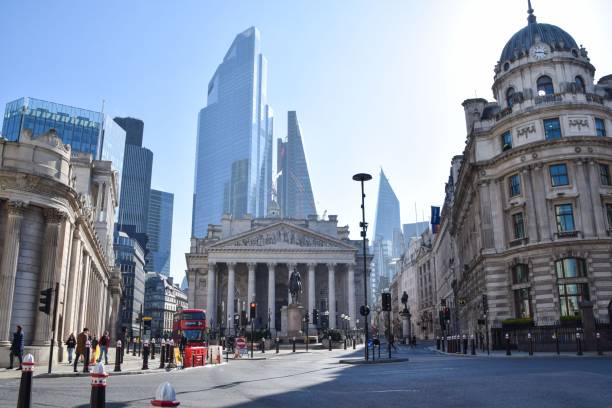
column 558, row 175
column 609, row 214
column 506, row 141
column 515, row 185
column 552, row 128
column 570, row 296
column 565, row 217
column 520, row 274
column 518, row 225
column 509, row 95
column 570, row 268
column 579, row 83
column 522, row 303
column 600, row 127
column 604, row 174
column 545, row 86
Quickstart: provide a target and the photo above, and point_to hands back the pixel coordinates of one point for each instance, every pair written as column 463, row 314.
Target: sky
column 374, row 83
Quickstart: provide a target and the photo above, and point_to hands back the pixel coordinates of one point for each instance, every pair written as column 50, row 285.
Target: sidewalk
column 519, row 354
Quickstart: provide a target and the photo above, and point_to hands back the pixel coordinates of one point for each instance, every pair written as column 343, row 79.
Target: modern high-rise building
column 134, row 130
column 293, row 185
column 159, row 231
column 129, row 257
column 136, row 184
column 233, row 172
column 387, row 232
column 86, row 131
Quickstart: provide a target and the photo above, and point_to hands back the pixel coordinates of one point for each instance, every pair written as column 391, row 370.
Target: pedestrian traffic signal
column 315, row 316
column 45, row 300
column 386, row 302
column 253, row 310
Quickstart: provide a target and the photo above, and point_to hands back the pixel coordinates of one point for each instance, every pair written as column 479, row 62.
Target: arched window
column 545, row 86
column 509, row 95
column 572, row 286
column 579, row 83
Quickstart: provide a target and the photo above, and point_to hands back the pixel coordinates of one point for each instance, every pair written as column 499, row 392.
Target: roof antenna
column 531, row 18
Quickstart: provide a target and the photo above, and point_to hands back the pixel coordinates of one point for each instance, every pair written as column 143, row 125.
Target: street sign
column 241, row 342
column 147, row 318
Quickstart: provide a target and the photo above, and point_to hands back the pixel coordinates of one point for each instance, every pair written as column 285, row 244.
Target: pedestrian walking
column 392, row 342
column 104, row 343
column 70, row 345
column 82, row 339
column 413, row 341
column 17, row 347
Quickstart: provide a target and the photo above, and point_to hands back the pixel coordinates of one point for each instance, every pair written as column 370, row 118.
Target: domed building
column 528, row 213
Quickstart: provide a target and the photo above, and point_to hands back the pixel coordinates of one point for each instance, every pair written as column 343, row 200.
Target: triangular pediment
column 282, row 235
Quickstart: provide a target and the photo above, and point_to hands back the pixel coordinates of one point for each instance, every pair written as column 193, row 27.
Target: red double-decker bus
column 190, row 323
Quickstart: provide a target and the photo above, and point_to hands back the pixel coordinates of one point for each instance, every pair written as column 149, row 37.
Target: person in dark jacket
column 104, row 343
column 17, row 346
column 81, row 345
column 70, row 345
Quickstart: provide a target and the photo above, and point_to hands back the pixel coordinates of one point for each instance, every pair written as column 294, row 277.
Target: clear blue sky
column 375, row 83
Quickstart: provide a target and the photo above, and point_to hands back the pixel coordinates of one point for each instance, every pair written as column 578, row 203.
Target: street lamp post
column 363, row 177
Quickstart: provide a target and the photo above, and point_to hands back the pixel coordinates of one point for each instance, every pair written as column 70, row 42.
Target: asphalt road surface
column 317, row 380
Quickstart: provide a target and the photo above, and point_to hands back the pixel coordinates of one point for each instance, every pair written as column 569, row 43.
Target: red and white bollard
column 25, row 386
column 165, row 396
column 98, row 386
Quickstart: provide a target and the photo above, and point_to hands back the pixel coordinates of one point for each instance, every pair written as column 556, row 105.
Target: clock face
column 538, row 52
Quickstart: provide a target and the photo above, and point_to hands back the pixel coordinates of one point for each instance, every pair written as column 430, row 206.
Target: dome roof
column 525, row 38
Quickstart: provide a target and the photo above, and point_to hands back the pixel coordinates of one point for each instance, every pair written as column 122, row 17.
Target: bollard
column 162, row 354
column 86, row 357
column 473, row 345
column 345, row 343
column 438, row 343
column 330, row 343
column 139, row 346
column 25, row 386
column 98, row 386
column 165, row 396
column 118, row 357
column 152, row 349
column 465, row 344
column 354, row 344
column 530, row 340
column 598, row 344
column 294, row 344
column 263, row 346
column 508, row 352
column 556, row 339
column 578, row 344
column 145, row 355
column 277, row 344
column 443, row 346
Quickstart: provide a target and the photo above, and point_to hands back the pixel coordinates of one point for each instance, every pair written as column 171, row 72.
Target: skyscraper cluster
column 233, row 171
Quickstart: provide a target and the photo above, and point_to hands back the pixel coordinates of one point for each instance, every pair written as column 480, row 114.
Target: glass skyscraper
column 233, row 172
column 293, row 185
column 84, row 130
column 159, row 231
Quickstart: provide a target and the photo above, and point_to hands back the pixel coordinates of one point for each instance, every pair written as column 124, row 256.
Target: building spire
column 531, row 18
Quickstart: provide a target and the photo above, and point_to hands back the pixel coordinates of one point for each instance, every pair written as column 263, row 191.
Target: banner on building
column 435, row 219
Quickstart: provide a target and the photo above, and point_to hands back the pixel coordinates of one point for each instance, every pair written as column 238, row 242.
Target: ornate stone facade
column 248, row 259
column 56, row 218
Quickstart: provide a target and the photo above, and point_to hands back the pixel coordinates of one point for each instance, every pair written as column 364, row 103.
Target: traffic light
column 386, row 302
column 253, row 310
column 485, row 303
column 315, row 316
column 45, row 300
column 364, row 310
column 307, row 318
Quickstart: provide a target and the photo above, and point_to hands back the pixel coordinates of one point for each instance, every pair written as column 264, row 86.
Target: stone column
column 272, row 295
column 10, row 255
column 84, row 288
column 311, row 292
column 46, row 278
column 585, row 212
column 74, row 271
column 530, row 210
column 541, row 204
column 251, row 282
column 331, row 289
column 231, row 291
column 210, row 293
column 351, row 295
column 598, row 210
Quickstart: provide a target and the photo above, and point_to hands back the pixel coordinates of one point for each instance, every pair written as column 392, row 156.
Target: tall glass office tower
column 84, row 130
column 293, row 185
column 233, row 172
column 159, row 231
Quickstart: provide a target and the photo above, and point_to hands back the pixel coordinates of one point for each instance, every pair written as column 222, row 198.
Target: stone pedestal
column 406, row 325
column 283, row 328
column 295, row 314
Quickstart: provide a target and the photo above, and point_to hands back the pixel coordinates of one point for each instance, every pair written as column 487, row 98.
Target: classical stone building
column 248, row 259
column 531, row 209
column 56, row 219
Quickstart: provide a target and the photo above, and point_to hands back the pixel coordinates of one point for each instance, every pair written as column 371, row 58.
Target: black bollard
column 139, row 346
column 508, row 352
column 263, row 346
column 134, row 348
column 330, row 342
column 118, row 357
column 345, row 343
column 152, row 349
column 555, row 337
column 473, row 345
column 294, row 344
column 25, row 386
column 443, row 345
column 579, row 343
column 354, row 344
column 98, row 387
column 598, row 344
column 145, row 355
column 530, row 340
column 86, row 356
column 277, row 345
column 438, row 343
column 162, row 354
column 465, row 344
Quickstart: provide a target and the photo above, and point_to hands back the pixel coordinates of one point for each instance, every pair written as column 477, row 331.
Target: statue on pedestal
column 295, row 286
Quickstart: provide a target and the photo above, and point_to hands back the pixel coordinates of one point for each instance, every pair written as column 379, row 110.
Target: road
column 317, row 380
